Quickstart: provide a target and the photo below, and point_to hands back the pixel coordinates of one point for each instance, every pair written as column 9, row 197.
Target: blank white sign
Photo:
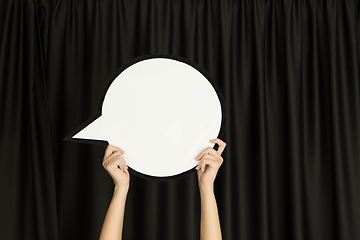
column 162, row 112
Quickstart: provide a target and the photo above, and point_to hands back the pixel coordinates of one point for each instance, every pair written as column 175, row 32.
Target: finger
column 120, row 162
column 212, row 163
column 208, row 150
column 197, row 167
column 109, row 163
column 124, row 167
column 201, row 166
column 111, row 149
column 113, row 156
column 115, row 164
column 204, row 164
column 116, row 158
column 108, row 151
column 221, row 144
column 210, row 156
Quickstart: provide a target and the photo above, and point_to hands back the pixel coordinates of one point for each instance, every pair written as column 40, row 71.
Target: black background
column 288, row 70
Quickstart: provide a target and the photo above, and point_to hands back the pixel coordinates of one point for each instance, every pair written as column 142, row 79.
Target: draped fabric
column 27, row 180
column 289, row 74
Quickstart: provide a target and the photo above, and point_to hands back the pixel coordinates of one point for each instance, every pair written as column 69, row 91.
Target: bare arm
column 210, row 162
column 115, row 164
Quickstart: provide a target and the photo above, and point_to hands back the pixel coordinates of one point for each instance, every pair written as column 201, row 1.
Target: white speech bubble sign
column 162, row 112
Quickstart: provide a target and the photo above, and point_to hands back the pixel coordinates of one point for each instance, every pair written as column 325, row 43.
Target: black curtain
column 289, row 73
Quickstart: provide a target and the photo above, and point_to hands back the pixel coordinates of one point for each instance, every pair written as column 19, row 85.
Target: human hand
column 114, row 163
column 210, row 162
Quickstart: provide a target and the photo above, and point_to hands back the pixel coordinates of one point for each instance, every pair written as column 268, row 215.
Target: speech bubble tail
column 94, row 131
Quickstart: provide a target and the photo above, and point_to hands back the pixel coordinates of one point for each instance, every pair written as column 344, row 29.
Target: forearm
column 113, row 223
column 210, row 223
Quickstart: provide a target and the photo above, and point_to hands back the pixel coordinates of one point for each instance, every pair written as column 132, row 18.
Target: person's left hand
column 210, row 162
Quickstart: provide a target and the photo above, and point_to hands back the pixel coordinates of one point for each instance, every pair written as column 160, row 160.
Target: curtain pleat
column 28, row 202
column 288, row 71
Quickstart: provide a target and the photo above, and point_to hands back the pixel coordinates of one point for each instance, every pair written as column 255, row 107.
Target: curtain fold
column 28, row 202
column 288, row 70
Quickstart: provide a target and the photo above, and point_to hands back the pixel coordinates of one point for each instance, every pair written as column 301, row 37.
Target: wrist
column 121, row 189
column 206, row 188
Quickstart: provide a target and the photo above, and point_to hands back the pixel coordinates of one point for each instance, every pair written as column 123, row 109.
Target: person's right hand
column 114, row 163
